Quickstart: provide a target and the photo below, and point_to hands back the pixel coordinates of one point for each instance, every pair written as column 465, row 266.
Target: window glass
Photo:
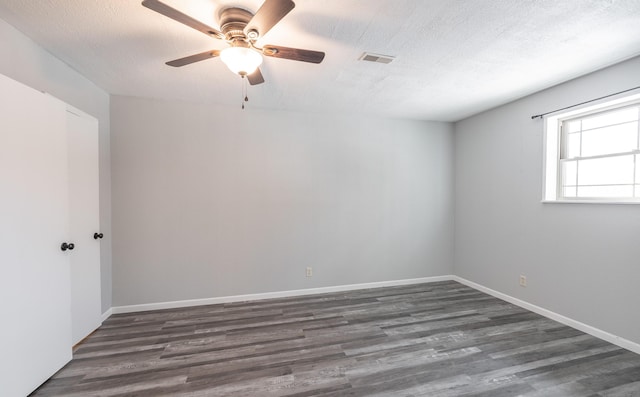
column 606, row 171
column 569, row 191
column 569, row 172
column 617, row 138
column 573, row 145
column 621, row 191
column 574, row 126
column 610, row 118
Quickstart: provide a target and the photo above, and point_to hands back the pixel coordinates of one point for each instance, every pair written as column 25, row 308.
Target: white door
column 35, row 274
column 82, row 137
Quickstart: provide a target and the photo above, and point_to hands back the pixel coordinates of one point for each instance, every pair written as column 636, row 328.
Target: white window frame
column 552, row 189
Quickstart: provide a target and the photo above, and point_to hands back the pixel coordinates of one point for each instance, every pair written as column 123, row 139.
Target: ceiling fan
column 241, row 29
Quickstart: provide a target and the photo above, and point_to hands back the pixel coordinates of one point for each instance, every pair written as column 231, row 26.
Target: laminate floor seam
column 435, row 339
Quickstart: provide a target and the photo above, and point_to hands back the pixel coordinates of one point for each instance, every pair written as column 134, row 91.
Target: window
column 593, row 154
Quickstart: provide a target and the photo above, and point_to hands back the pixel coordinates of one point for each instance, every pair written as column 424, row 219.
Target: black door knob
column 67, row 246
column 97, row 236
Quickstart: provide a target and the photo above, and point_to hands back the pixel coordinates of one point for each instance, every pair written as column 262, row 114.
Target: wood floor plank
column 437, row 339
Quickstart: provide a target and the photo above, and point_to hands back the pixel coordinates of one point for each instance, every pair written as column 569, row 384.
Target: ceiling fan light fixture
column 241, row 60
column 240, row 29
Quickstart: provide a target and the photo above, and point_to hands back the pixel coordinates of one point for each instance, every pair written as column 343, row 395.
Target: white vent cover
column 370, row 57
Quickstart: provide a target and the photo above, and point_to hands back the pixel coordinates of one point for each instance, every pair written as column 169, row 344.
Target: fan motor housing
column 233, row 21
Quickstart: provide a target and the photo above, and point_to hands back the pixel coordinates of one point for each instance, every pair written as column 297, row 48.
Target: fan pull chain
column 244, row 91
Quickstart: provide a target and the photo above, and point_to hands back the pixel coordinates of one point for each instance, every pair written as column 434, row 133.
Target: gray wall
column 27, row 62
column 212, row 201
column 581, row 260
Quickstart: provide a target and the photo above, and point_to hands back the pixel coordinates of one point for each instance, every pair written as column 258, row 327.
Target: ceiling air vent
column 370, row 57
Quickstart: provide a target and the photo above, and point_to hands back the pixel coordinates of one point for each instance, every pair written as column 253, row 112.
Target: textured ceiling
column 454, row 58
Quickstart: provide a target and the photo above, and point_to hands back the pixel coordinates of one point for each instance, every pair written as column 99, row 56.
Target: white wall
column 211, row 201
column 581, row 260
column 25, row 61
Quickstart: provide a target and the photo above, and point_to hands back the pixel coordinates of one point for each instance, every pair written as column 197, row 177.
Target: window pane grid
column 636, row 163
column 603, row 184
column 599, row 156
column 618, row 192
column 635, row 174
column 606, row 126
column 609, row 117
column 638, row 136
column 616, row 136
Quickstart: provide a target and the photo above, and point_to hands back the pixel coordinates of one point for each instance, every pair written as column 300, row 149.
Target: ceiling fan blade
column 255, row 77
column 294, row 54
column 193, row 58
column 176, row 15
column 269, row 14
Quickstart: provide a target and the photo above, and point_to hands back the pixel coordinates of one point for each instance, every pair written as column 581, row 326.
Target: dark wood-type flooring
column 436, row 339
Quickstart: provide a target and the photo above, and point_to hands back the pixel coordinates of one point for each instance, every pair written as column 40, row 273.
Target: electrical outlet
column 309, row 271
column 523, row 281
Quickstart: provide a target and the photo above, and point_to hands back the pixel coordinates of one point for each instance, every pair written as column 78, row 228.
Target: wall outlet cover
column 523, row 281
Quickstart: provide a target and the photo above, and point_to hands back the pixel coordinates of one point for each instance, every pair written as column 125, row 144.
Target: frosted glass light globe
column 241, row 60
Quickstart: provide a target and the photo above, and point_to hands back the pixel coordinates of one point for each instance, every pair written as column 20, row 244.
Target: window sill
column 588, row 202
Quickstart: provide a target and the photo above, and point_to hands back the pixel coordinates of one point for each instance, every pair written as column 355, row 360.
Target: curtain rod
column 582, row 103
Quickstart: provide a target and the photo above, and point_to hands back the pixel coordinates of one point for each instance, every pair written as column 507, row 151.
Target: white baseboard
column 271, row 295
column 106, row 314
column 598, row 333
